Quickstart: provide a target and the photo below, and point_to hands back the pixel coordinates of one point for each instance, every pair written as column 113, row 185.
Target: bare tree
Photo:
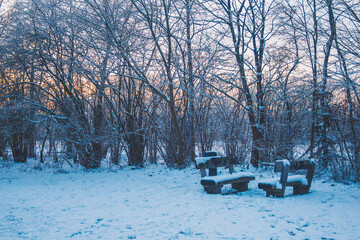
column 17, row 76
column 246, row 23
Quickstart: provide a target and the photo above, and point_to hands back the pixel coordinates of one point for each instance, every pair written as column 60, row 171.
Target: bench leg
column 275, row 194
column 279, row 194
column 213, row 190
column 241, row 187
column 300, row 190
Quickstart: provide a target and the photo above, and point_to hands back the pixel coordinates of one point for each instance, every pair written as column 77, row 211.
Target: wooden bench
column 212, row 182
column 301, row 183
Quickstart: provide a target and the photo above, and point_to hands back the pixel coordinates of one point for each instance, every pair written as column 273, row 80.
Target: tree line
column 170, row 79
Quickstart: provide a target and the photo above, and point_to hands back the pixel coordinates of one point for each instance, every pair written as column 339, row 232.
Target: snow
column 312, row 161
column 161, row 203
column 291, row 179
column 285, row 162
column 273, row 182
column 202, row 160
column 298, row 178
column 228, row 177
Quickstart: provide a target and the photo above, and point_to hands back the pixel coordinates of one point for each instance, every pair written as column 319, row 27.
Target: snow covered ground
column 160, row 203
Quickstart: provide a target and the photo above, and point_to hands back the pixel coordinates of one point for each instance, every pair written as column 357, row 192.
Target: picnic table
column 212, row 182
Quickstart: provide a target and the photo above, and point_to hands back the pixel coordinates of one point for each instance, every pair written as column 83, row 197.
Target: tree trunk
column 191, row 81
column 19, row 148
column 325, row 141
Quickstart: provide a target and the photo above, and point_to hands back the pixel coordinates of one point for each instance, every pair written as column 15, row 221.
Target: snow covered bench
column 276, row 186
column 212, row 182
column 301, row 183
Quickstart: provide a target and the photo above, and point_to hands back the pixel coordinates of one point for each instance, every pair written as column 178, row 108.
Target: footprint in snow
column 291, row 233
